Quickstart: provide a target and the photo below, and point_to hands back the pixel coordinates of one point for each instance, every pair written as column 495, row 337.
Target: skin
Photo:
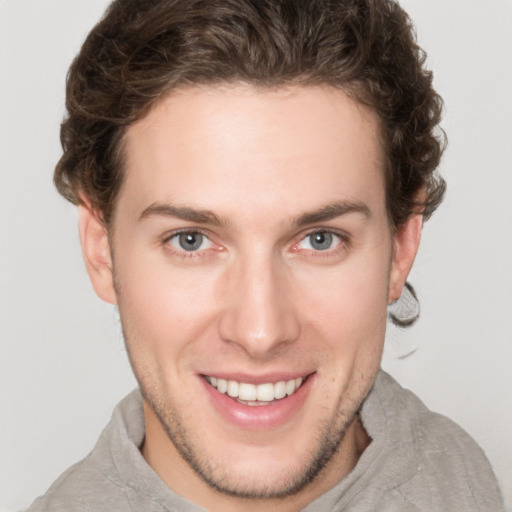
column 256, row 299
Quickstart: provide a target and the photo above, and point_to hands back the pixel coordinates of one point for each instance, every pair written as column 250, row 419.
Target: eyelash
column 344, row 242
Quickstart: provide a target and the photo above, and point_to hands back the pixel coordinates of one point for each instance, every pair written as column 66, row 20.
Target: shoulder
column 446, row 467
column 94, row 483
column 114, row 476
column 79, row 488
column 438, row 439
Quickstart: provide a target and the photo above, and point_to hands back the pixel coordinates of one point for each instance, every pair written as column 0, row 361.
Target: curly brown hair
column 142, row 49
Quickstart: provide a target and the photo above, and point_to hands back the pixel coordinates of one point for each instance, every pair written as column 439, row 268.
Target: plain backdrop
column 63, row 363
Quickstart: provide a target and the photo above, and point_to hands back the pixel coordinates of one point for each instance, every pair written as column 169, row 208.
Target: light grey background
column 63, row 364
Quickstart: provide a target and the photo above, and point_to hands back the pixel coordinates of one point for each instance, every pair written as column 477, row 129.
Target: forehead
column 239, row 147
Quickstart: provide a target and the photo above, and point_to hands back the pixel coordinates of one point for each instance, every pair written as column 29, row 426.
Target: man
column 252, row 181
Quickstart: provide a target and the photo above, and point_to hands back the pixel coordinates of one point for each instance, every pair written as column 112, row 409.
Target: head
column 252, row 179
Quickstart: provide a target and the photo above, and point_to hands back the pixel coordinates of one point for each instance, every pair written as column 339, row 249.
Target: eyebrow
column 324, row 213
column 332, row 211
column 182, row 212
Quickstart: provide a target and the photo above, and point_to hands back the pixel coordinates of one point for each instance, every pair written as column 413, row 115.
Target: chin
column 245, row 470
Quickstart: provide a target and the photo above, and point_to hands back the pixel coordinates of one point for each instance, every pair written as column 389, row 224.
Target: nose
column 260, row 315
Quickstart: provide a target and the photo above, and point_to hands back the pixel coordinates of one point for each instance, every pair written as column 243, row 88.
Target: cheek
column 349, row 305
column 162, row 308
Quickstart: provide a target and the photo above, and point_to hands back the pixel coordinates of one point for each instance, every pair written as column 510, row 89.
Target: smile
column 255, row 394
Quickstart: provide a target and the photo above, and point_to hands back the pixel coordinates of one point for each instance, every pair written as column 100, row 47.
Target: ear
column 96, row 252
column 405, row 246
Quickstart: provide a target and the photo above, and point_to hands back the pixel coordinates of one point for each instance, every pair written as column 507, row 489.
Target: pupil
column 321, row 241
column 190, row 241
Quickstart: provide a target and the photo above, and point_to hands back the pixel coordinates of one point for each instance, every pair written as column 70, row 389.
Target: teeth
column 253, row 394
column 280, row 389
column 247, row 391
column 253, row 404
column 265, row 392
column 222, row 385
column 233, row 388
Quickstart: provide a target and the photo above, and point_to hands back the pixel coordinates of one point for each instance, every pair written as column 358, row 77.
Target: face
column 252, row 263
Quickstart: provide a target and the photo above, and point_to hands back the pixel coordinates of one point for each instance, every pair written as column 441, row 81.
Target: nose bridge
column 260, row 315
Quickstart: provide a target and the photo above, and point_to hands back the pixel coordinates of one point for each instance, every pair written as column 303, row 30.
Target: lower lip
column 259, row 417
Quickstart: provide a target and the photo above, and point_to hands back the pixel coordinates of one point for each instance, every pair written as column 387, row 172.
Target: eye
column 320, row 241
column 190, row 241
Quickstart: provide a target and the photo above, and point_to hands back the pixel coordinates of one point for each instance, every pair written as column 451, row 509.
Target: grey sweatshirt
column 417, row 461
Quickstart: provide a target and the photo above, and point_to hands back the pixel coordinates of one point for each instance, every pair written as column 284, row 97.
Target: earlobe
column 405, row 246
column 96, row 253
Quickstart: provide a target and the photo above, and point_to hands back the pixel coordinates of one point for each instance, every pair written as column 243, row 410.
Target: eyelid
column 170, row 234
column 180, row 231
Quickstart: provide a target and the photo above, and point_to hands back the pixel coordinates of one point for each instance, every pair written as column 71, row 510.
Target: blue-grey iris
column 321, row 240
column 190, row 241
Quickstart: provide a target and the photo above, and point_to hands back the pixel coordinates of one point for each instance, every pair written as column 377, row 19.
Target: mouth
column 255, row 395
column 261, row 404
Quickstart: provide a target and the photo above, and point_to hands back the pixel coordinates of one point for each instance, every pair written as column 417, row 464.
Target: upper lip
column 258, row 379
